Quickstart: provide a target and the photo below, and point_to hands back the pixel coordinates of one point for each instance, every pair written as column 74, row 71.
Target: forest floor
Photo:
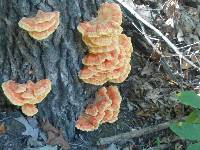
column 148, row 93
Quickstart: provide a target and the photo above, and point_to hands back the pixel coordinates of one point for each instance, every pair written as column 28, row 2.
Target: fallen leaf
column 55, row 136
column 147, row 113
column 170, row 22
column 143, row 114
column 2, row 128
column 46, row 126
column 185, row 65
column 47, row 147
column 148, row 69
column 171, row 8
column 33, row 132
column 180, row 35
column 155, row 56
column 32, row 142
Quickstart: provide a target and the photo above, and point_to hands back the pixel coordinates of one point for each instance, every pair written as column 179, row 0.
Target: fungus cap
column 41, row 22
column 9, row 87
column 97, row 59
column 87, row 72
column 110, row 12
column 43, row 16
column 107, row 22
column 26, row 95
column 114, row 117
column 103, row 49
column 20, row 88
column 125, row 43
column 42, row 25
column 116, row 73
column 105, row 108
column 115, row 97
column 44, row 34
column 123, row 76
column 102, row 100
column 99, row 41
column 84, row 124
column 111, row 113
column 87, row 122
column 98, row 79
column 103, row 36
column 42, row 89
column 31, row 26
column 91, row 109
column 108, row 116
column 29, row 109
column 99, row 69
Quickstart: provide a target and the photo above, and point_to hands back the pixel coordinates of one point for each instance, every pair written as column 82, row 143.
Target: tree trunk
column 57, row 58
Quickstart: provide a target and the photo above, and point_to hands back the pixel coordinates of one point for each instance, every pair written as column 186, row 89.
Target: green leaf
column 194, row 117
column 185, row 130
column 195, row 146
column 189, row 98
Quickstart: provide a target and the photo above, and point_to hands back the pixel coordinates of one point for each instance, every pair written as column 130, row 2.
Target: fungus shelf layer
column 27, row 95
column 42, row 25
column 104, row 109
column 109, row 50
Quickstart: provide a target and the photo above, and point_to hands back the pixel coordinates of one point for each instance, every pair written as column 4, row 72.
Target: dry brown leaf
column 155, row 56
column 148, row 112
column 185, row 65
column 2, row 128
column 143, row 114
column 55, row 136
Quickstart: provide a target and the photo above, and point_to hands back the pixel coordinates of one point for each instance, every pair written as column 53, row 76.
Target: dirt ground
column 157, row 74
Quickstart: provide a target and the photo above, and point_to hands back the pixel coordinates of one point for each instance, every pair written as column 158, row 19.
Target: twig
column 146, row 37
column 135, row 133
column 195, row 43
column 124, row 4
column 144, row 33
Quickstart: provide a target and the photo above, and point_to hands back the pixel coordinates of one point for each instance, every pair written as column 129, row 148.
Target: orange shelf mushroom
column 107, row 22
column 104, row 109
column 42, row 25
column 113, row 66
column 27, row 95
column 29, row 109
column 109, row 50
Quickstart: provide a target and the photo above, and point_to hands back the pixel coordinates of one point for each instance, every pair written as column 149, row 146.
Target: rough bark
column 57, row 58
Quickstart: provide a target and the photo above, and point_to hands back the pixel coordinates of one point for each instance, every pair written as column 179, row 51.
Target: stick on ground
column 132, row 134
column 136, row 133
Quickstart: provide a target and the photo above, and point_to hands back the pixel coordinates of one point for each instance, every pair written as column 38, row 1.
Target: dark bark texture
column 57, row 58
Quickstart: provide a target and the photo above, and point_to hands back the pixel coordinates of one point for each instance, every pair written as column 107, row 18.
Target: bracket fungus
column 27, row 95
column 109, row 50
column 104, row 109
column 107, row 22
column 42, row 25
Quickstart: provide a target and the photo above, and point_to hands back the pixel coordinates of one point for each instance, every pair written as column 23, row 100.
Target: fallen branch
column 176, row 50
column 132, row 134
column 136, row 133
